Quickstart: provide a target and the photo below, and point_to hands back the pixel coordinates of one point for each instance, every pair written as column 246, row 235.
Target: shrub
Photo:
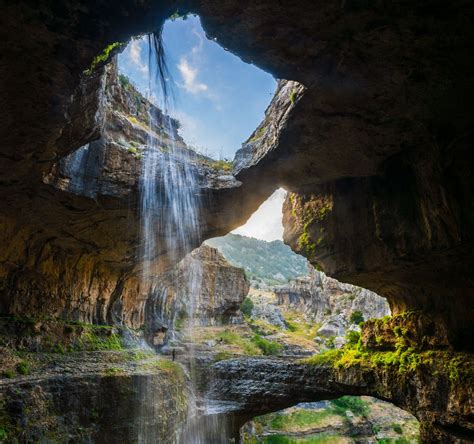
column 331, row 342
column 124, row 80
column 23, row 368
column 357, row 317
column 267, row 347
column 3, row 434
column 352, row 337
column 397, row 428
column 9, row 373
column 246, row 307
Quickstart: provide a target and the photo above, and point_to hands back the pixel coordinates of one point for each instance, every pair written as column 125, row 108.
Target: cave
column 369, row 131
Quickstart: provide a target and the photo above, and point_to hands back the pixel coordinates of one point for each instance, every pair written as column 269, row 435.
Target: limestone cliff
column 203, row 289
column 331, row 303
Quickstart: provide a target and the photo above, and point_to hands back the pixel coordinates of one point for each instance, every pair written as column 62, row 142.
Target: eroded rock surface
column 203, row 289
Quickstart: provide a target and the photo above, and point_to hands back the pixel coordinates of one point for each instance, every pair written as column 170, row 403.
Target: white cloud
column 189, row 75
column 266, row 223
column 135, row 56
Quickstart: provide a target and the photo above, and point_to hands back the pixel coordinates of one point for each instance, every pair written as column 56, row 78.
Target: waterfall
column 169, row 210
column 169, row 204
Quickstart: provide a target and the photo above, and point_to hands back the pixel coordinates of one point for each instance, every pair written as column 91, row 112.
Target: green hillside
column 265, row 263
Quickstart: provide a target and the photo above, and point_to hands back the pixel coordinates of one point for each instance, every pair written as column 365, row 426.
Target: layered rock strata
column 202, row 290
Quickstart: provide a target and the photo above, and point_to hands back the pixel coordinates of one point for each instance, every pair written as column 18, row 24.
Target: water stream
column 169, row 209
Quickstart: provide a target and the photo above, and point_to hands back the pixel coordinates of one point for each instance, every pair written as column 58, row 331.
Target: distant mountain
column 265, row 263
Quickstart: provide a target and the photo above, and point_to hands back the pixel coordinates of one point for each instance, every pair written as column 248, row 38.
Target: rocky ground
column 58, row 381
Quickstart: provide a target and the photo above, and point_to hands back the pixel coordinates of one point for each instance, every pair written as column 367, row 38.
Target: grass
column 232, row 338
column 91, row 341
column 321, row 438
column 296, row 420
column 267, row 347
column 350, row 403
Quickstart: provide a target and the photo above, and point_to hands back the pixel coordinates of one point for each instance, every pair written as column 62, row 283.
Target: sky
column 220, row 100
column 266, row 223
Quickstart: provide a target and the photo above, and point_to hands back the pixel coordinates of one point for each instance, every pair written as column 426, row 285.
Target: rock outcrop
column 266, row 385
column 203, row 289
column 338, row 307
column 78, row 256
column 129, row 406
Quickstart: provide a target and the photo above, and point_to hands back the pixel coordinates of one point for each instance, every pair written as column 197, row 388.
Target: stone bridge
column 263, row 385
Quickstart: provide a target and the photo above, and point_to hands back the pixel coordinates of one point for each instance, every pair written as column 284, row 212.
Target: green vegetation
column 103, row 57
column 350, row 403
column 321, row 438
column 91, row 341
column 258, row 134
column 356, row 317
column 177, row 15
column 124, row 80
column 113, row 371
column 9, row 373
column 222, row 356
column 23, row 368
column 267, row 347
column 3, row 433
column 397, row 428
column 246, row 307
column 269, row 263
column 223, row 164
column 331, row 342
column 232, row 338
column 293, row 96
column 293, row 420
column 456, row 366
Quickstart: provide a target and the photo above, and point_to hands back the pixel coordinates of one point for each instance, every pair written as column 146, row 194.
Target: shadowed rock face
column 266, row 385
column 382, row 128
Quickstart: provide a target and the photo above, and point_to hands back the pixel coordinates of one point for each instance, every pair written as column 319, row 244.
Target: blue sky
column 220, row 100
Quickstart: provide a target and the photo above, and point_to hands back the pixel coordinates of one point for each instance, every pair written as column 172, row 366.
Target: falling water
column 170, row 211
column 169, row 182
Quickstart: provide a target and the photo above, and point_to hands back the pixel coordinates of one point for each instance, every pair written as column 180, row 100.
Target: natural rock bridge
column 261, row 386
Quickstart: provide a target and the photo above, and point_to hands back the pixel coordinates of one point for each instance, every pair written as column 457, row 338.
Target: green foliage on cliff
column 103, row 57
column 265, row 263
column 124, row 80
column 222, row 165
column 455, row 366
column 91, row 341
column 23, row 368
column 356, row 317
column 246, row 307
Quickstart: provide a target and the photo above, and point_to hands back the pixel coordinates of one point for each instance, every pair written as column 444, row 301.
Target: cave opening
column 342, row 420
column 376, row 153
column 217, row 98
